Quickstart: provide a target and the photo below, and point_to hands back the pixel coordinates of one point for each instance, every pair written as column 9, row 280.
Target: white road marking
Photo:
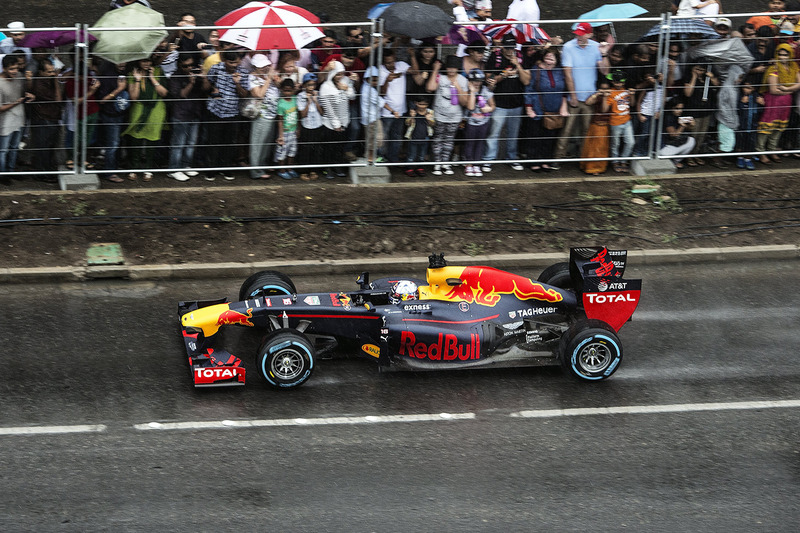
column 283, row 422
column 52, row 430
column 716, row 314
column 409, row 418
column 651, row 409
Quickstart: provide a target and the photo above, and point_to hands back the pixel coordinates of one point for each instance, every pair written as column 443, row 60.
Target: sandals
column 679, row 165
column 147, row 176
column 133, row 176
column 115, row 179
column 700, row 162
column 692, row 162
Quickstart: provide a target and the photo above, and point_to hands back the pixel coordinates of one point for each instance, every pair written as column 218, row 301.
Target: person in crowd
column 474, row 57
column 114, row 101
column 116, row 4
column 422, row 64
column 749, row 110
column 781, row 81
column 596, row 144
column 582, row 62
column 287, row 118
column 12, row 111
column 287, row 67
column 263, row 89
column 479, row 109
column 450, row 96
column 372, row 106
column 392, row 84
column 544, row 95
column 700, row 103
column 214, row 51
column 335, row 95
column 148, row 114
column 507, row 79
column 768, row 19
column 312, row 133
column 356, row 40
column 226, row 83
column 618, row 105
column 354, row 69
column 45, row 115
column 186, row 99
column 187, row 40
column 675, row 140
column 419, row 129
column 75, row 92
column 11, row 44
column 327, row 45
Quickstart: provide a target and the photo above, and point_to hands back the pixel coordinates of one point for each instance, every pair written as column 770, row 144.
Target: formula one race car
column 460, row 317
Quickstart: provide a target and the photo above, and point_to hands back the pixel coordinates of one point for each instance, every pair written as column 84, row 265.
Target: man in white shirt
column 392, row 83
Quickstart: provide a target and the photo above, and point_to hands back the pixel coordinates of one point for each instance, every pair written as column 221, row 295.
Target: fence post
column 659, row 124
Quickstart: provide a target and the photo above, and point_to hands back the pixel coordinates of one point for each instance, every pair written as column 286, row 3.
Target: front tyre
column 286, row 359
column 590, row 351
column 266, row 283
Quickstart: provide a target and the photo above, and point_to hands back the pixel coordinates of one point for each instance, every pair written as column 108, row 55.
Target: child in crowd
column 311, row 126
column 419, row 128
column 371, row 104
column 618, row 104
column 750, row 105
column 480, row 105
column 287, row 117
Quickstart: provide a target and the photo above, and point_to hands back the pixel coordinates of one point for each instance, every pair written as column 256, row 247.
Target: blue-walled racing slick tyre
column 266, row 283
column 590, row 351
column 286, row 359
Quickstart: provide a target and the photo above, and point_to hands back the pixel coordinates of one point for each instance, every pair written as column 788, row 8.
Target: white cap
column 483, row 4
column 723, row 21
column 260, row 60
column 16, row 26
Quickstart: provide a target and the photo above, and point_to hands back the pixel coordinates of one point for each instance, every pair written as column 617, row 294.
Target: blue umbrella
column 377, row 10
column 612, row 11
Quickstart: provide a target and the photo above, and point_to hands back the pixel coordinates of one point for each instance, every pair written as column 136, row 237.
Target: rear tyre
column 286, row 359
column 266, row 283
column 590, row 351
column 556, row 276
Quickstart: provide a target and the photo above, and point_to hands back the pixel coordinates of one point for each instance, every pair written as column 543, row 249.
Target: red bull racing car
column 458, row 317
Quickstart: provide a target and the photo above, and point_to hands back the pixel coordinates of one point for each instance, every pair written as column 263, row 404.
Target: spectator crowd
column 462, row 102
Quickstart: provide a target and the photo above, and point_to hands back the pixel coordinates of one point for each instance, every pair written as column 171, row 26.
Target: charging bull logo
column 234, row 317
column 484, row 286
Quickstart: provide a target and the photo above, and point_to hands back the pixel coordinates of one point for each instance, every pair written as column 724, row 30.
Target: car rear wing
column 597, row 275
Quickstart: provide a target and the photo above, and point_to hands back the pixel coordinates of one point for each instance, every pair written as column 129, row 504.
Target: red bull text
column 446, row 348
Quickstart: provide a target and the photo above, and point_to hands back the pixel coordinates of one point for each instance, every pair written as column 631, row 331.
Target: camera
column 685, row 120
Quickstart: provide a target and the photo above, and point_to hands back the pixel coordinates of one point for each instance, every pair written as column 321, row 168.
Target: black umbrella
column 416, row 20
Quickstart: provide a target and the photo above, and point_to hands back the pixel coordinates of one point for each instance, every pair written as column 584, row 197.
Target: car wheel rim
column 287, row 364
column 594, row 357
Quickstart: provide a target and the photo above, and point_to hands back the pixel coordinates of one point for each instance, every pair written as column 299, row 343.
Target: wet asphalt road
column 706, row 343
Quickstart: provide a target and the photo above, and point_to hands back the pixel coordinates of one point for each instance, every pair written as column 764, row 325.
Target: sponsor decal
column 609, row 298
column 384, row 331
column 485, row 286
column 372, row 350
column 417, row 307
column 515, row 332
column 605, row 286
column 533, row 336
column 340, row 300
column 513, row 325
column 311, row 300
column 531, row 311
column 287, row 301
column 209, row 375
column 446, row 348
column 235, row 317
column 463, row 307
column 268, row 302
column 606, row 267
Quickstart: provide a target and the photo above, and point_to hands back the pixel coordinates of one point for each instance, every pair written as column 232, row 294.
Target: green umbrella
column 120, row 46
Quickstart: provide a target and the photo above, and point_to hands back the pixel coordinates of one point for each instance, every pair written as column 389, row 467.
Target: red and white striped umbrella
column 268, row 14
column 524, row 33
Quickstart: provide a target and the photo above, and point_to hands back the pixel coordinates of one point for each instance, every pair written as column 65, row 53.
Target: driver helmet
column 404, row 290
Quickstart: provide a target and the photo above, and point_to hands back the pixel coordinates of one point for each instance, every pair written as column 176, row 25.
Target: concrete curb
column 376, row 266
